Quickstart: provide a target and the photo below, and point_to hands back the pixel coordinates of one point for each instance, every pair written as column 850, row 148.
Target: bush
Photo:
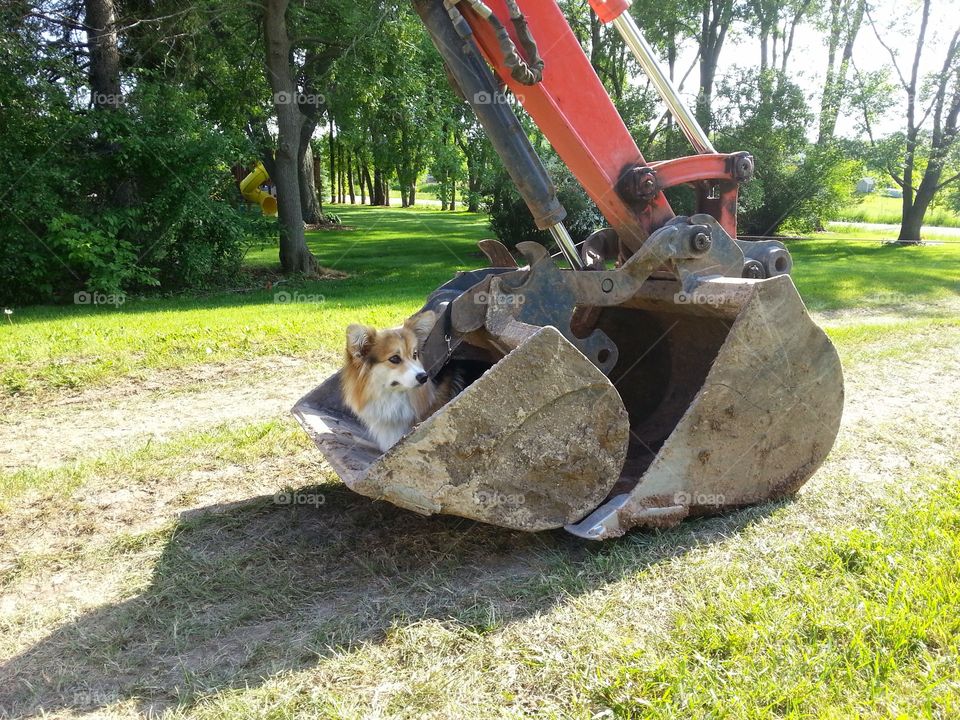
column 512, row 223
column 153, row 205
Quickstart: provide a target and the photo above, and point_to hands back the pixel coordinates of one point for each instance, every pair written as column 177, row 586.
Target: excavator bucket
column 686, row 380
column 518, row 447
column 732, row 402
column 608, row 399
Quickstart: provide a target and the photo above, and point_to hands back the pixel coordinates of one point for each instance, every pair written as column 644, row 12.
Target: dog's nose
column 422, row 378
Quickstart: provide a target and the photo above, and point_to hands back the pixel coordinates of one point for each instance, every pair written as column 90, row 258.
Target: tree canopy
column 127, row 125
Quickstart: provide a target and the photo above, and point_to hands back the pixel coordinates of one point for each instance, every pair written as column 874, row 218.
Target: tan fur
column 385, row 395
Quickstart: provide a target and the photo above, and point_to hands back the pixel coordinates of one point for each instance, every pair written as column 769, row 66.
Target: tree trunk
column 100, row 21
column 833, row 85
column 342, row 193
column 704, row 109
column 385, row 190
column 453, row 195
column 353, row 194
column 473, row 184
column 333, row 164
column 911, row 224
column 310, row 204
column 913, row 216
column 318, row 174
column 104, row 76
column 360, row 182
column 295, row 256
column 371, row 191
column 716, row 18
column 377, row 186
column 412, row 194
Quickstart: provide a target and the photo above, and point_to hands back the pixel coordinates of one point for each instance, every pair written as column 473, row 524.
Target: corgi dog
column 384, row 382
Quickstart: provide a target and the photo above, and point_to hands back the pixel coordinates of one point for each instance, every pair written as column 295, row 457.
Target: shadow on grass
column 251, row 589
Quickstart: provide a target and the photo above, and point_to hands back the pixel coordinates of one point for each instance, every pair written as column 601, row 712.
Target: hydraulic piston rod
column 641, row 49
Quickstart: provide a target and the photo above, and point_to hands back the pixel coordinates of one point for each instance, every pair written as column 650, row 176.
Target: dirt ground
column 134, row 411
column 191, row 579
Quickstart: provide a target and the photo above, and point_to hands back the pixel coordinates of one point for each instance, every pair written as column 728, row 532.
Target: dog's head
column 391, row 358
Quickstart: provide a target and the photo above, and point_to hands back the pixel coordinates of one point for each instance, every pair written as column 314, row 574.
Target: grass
column 168, row 577
column 833, row 272
column 356, row 609
column 185, row 453
column 393, row 259
column 864, row 234
column 860, row 623
column 877, row 208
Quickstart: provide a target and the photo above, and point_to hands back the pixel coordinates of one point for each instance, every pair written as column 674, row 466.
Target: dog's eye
column 396, row 359
column 415, row 354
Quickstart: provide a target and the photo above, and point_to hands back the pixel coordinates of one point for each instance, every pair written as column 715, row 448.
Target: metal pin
column 567, row 246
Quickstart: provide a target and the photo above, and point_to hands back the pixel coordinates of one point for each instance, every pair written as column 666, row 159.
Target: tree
column 934, row 102
column 843, row 26
column 295, row 256
column 716, row 18
column 776, row 23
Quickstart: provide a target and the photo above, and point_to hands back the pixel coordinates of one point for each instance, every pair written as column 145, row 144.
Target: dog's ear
column 421, row 324
column 360, row 340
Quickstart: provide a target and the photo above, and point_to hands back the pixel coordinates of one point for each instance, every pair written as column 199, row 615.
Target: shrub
column 153, row 205
column 511, row 221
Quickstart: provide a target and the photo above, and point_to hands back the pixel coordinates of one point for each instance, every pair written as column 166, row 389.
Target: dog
column 384, row 382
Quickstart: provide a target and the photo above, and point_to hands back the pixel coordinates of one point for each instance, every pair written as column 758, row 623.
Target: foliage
column 65, row 230
column 511, row 221
column 798, row 185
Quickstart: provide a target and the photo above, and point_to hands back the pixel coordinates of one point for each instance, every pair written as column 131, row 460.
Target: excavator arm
column 688, row 380
column 569, row 104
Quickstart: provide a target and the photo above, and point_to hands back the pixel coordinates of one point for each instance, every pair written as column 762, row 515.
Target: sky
column 898, row 23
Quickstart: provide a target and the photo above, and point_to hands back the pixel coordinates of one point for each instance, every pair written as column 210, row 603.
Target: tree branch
column 893, row 55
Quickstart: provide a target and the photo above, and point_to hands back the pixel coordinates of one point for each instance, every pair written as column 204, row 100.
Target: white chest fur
column 389, row 417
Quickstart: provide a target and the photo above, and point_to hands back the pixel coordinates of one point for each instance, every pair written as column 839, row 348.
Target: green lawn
column 862, row 623
column 393, row 258
column 876, row 208
column 834, row 272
